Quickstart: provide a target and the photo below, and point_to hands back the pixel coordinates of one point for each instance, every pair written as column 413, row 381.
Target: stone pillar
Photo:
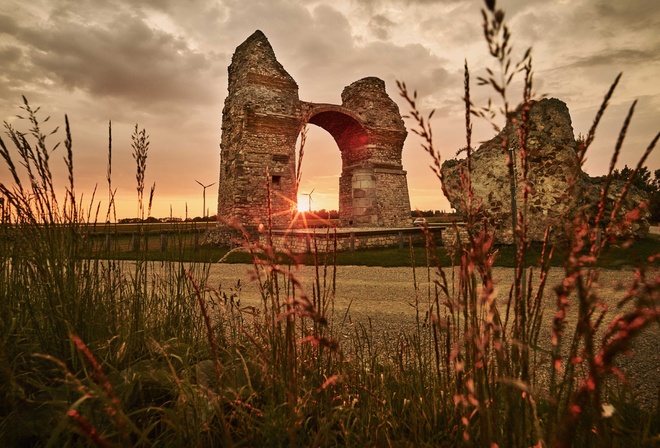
column 261, row 121
column 365, row 197
column 382, row 153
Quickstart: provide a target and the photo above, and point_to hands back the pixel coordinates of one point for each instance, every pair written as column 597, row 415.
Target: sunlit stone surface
column 261, row 121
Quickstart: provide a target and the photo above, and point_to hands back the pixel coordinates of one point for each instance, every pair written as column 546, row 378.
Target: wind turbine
column 309, row 198
column 204, row 196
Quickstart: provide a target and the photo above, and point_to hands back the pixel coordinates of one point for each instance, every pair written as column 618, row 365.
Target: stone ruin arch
column 261, row 121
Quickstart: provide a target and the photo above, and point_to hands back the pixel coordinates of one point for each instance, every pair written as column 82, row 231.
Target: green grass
column 616, row 255
column 180, row 246
column 149, row 227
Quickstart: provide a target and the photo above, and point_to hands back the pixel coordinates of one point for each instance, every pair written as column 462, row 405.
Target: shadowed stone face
column 261, row 121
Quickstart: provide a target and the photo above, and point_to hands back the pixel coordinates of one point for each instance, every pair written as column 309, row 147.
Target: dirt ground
column 385, row 299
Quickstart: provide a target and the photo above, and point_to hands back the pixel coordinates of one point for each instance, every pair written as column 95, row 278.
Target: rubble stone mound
column 261, row 121
column 552, row 156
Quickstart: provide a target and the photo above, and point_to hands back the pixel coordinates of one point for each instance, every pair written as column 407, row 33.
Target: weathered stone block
column 552, row 156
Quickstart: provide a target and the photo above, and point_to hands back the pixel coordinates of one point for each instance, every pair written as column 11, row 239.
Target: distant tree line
column 316, row 214
column 432, row 214
column 153, row 220
column 322, row 214
column 645, row 182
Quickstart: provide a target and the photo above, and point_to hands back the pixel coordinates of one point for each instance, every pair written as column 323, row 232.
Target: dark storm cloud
column 120, row 54
column 412, row 63
column 637, row 13
column 8, row 25
column 323, row 51
column 380, row 26
column 122, row 57
column 16, row 70
column 589, row 24
column 584, row 44
column 326, row 52
column 619, row 57
column 375, row 3
column 10, row 55
column 278, row 19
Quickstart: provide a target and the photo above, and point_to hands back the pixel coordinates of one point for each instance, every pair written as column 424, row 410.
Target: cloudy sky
column 163, row 65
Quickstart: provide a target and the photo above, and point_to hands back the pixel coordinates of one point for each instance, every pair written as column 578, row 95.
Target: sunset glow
column 321, row 169
column 164, row 66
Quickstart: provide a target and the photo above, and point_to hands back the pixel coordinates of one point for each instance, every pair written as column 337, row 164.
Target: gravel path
column 386, row 296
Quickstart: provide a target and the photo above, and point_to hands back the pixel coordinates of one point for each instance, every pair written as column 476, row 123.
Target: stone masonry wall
column 299, row 243
column 261, row 121
column 259, row 129
column 393, row 182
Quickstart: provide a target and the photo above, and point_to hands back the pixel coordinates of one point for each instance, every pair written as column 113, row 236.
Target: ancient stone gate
column 261, row 121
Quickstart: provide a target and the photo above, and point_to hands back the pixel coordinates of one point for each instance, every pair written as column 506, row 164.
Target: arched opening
column 327, row 181
column 320, row 171
column 349, row 134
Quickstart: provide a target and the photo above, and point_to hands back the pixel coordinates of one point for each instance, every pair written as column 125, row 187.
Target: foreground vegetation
column 95, row 351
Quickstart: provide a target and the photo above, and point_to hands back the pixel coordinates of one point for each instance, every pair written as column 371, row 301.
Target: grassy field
column 98, row 352
column 151, row 228
column 183, row 243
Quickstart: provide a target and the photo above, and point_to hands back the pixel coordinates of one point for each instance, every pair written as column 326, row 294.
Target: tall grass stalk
column 97, row 351
column 51, row 288
column 494, row 345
